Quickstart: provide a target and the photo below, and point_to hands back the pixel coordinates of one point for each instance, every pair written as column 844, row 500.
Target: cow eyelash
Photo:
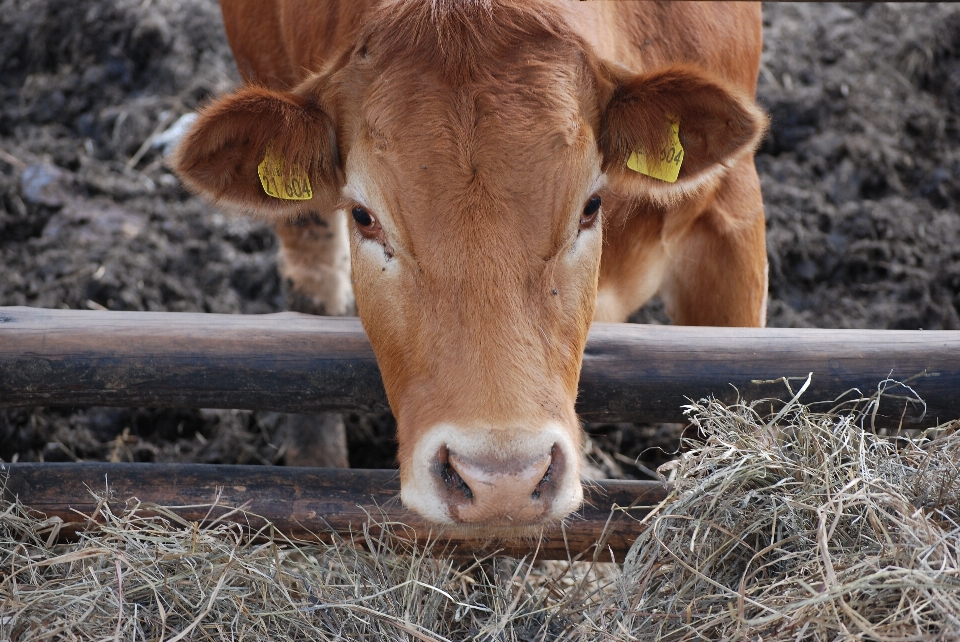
column 590, row 211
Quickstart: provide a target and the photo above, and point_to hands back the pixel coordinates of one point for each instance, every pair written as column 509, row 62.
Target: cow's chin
column 507, row 482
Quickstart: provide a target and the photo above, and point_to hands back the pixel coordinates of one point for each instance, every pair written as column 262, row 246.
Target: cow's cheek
column 585, row 265
column 580, row 270
column 384, row 309
column 570, row 290
column 586, row 275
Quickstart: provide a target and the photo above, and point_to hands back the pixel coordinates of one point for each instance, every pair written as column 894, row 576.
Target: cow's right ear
column 669, row 132
column 256, row 142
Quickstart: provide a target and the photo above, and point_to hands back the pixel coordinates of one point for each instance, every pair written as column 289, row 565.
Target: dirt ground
column 860, row 173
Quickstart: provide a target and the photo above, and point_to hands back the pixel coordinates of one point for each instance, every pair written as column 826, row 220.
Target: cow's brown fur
column 474, row 131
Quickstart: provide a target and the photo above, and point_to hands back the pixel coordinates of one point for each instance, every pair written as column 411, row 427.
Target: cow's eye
column 362, row 217
column 590, row 211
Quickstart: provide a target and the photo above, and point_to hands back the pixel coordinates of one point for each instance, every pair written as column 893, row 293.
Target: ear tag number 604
column 295, row 188
column 665, row 164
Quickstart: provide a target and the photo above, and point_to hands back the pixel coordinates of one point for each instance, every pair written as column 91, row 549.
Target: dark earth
column 860, row 173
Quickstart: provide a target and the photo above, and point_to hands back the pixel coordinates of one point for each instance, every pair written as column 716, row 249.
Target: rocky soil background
column 860, row 172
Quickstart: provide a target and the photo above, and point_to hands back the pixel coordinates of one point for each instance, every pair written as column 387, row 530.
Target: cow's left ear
column 263, row 152
column 670, row 132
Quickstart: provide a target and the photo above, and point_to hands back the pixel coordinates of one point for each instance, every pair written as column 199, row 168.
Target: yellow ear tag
column 297, row 186
column 665, row 164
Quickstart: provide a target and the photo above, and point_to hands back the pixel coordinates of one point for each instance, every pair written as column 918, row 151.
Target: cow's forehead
column 519, row 118
column 460, row 39
column 465, row 79
column 514, row 152
column 473, row 118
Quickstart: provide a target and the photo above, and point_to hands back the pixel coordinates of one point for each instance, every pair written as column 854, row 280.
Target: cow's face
column 470, row 152
column 474, row 196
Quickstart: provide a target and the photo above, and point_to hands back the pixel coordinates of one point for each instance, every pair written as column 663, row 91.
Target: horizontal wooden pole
column 299, row 363
column 310, row 503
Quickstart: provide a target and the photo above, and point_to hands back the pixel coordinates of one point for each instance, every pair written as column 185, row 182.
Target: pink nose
column 492, row 491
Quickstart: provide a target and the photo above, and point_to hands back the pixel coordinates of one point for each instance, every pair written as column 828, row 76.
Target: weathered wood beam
column 311, row 503
column 299, row 363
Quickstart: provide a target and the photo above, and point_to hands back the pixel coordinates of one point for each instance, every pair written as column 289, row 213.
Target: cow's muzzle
column 484, row 479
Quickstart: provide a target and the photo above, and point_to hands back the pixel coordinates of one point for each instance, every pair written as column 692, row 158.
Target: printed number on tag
column 665, row 164
column 296, row 187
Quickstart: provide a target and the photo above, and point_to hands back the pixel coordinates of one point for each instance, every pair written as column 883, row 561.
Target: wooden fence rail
column 309, row 503
column 298, row 363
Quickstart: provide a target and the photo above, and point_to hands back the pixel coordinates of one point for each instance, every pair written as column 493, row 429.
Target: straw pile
column 805, row 526
column 132, row 577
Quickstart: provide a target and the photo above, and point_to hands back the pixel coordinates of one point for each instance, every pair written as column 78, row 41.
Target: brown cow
column 463, row 149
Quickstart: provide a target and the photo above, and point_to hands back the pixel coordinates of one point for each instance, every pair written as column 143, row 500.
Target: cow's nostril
column 450, row 477
column 547, row 483
column 454, row 481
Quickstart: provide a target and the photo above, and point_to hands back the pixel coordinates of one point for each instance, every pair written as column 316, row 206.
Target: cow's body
column 462, row 142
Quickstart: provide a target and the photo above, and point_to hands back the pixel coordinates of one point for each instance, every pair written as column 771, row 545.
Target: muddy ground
column 860, row 172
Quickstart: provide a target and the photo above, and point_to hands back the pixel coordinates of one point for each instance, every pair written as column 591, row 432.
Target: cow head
column 471, row 146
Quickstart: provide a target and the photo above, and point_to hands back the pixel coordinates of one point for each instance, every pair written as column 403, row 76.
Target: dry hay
column 805, row 526
column 801, row 527
column 137, row 577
